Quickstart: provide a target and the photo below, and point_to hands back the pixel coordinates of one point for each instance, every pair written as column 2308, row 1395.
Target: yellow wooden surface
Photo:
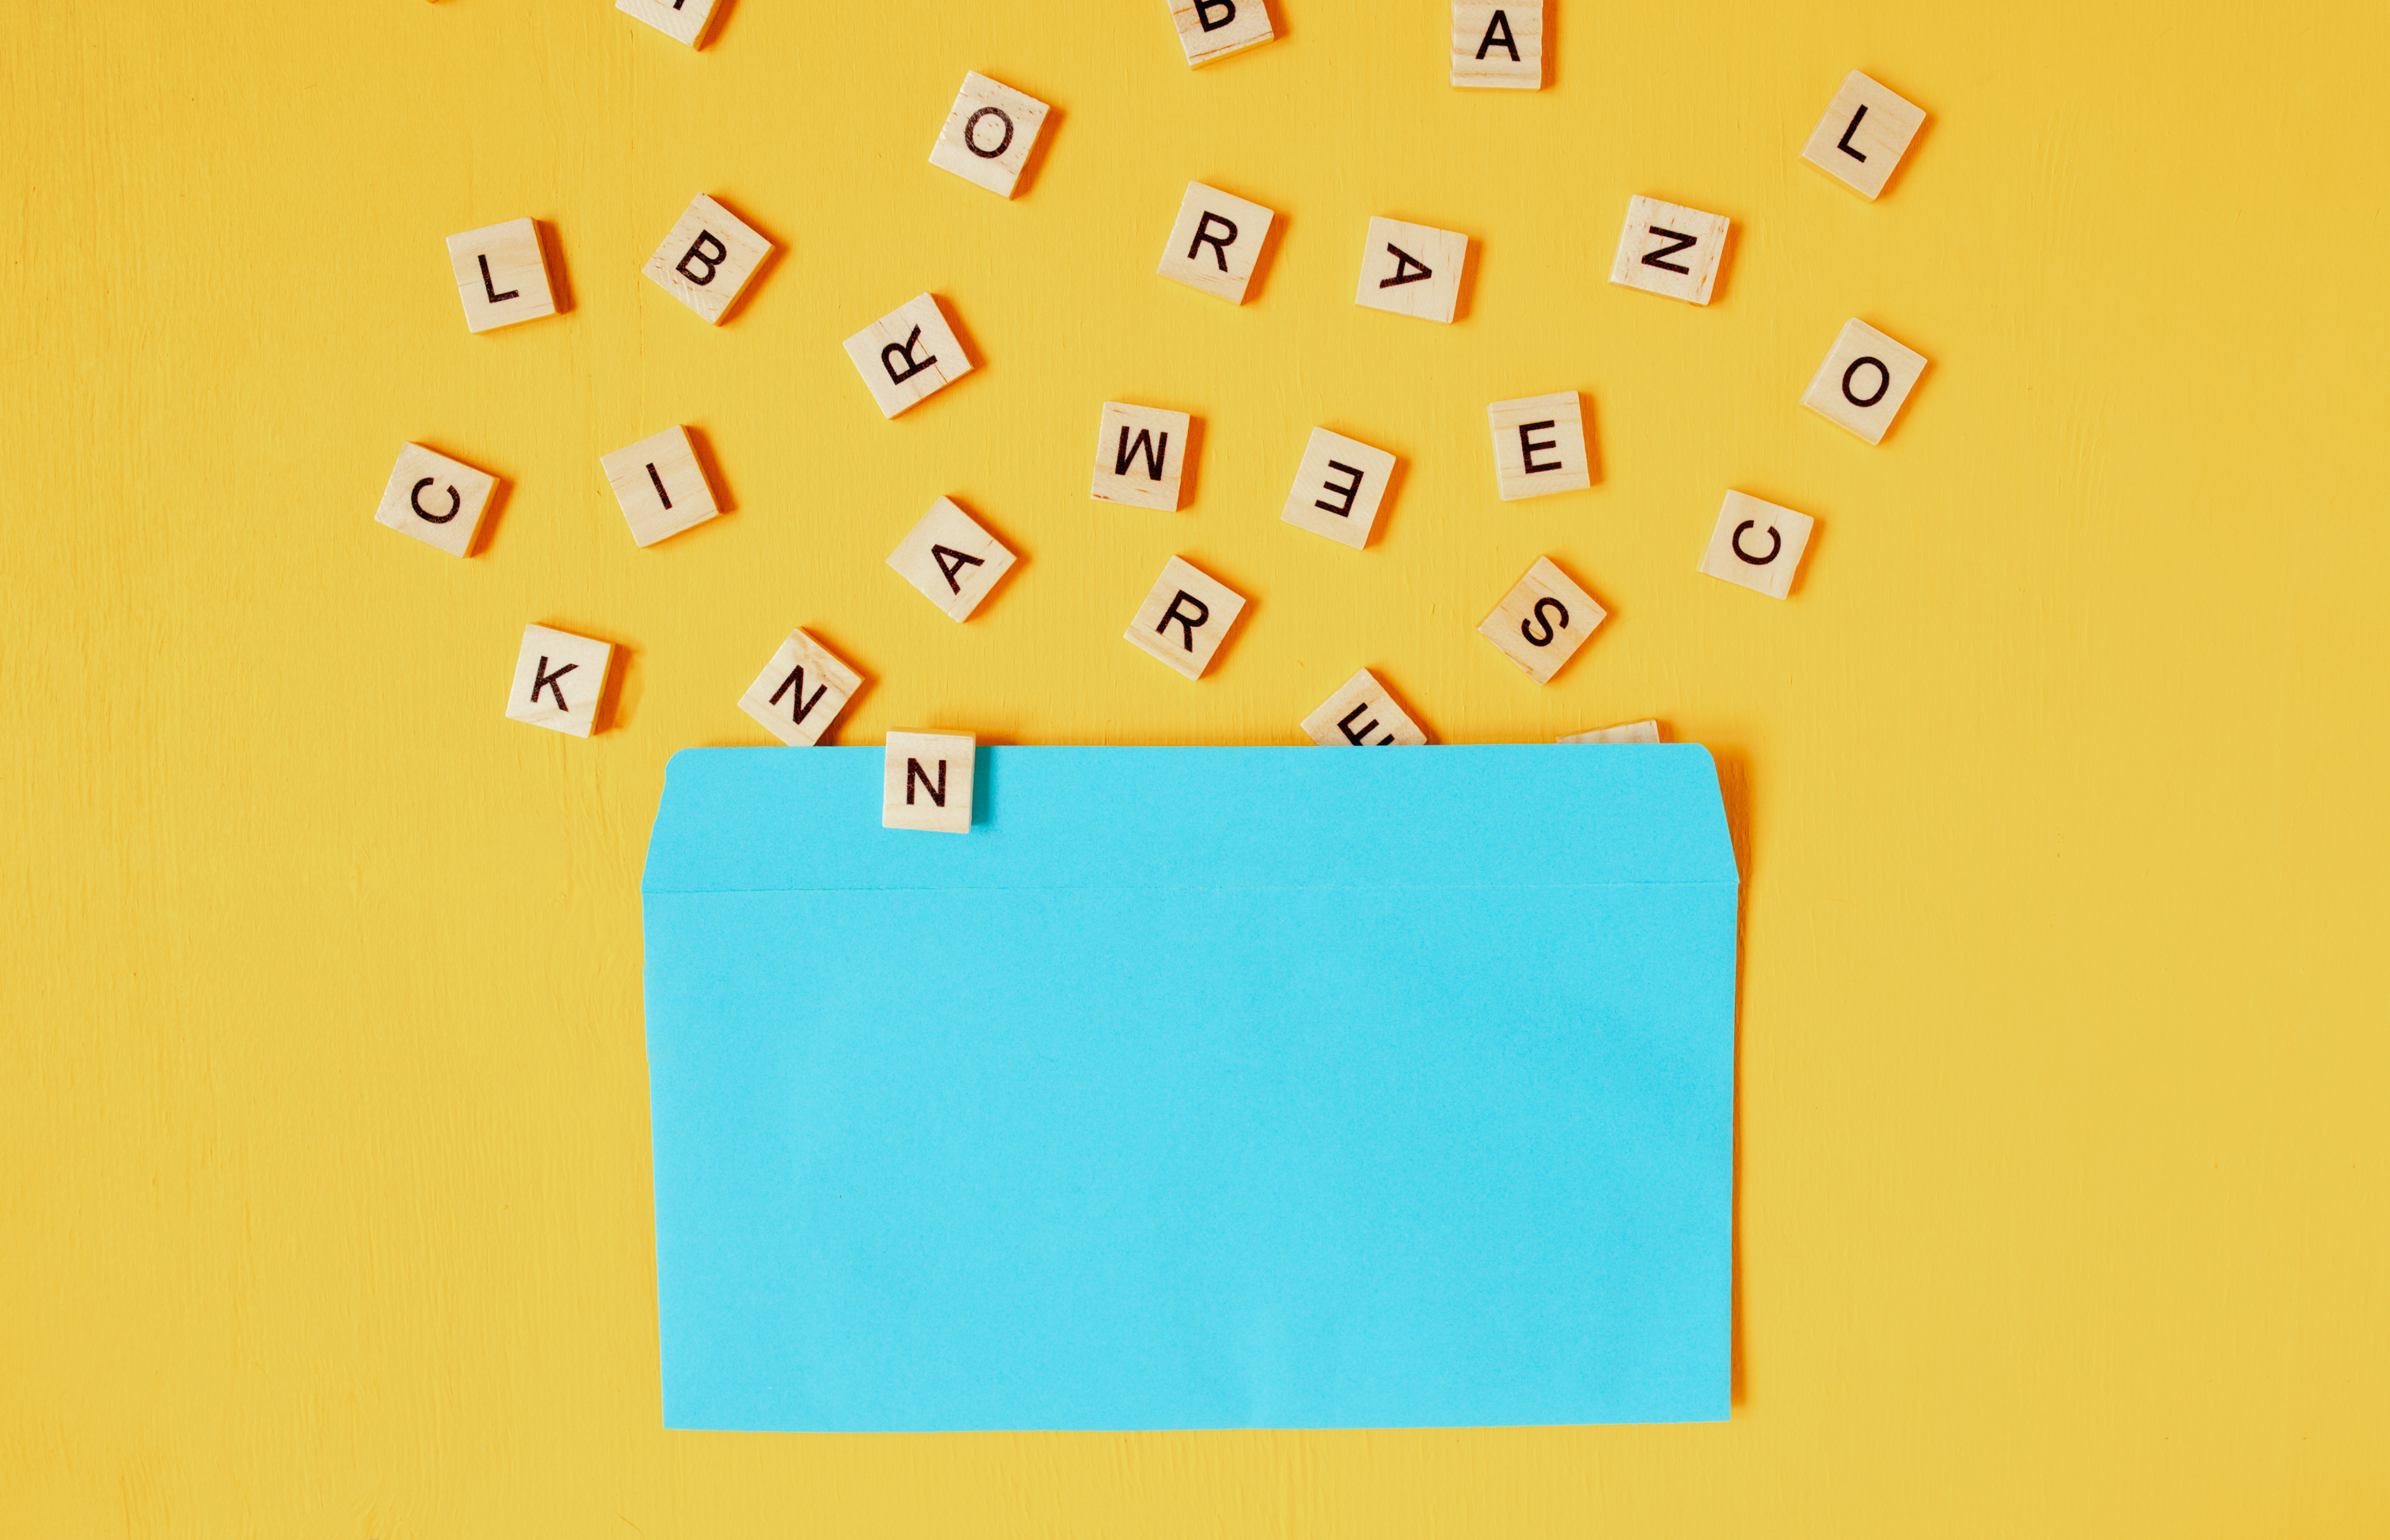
column 2057, row 782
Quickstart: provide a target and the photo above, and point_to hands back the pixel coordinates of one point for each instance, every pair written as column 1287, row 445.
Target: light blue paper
column 1194, row 1088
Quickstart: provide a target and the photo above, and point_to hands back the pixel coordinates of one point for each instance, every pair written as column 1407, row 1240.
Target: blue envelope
column 1194, row 1088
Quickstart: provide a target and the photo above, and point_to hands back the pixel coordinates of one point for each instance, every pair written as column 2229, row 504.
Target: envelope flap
column 1508, row 815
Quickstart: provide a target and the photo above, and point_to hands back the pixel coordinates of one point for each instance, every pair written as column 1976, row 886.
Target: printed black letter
column 712, row 260
column 1537, row 619
column 1408, row 268
column 552, row 683
column 492, row 290
column 1528, row 446
column 937, row 793
column 1497, row 33
column 905, row 353
column 971, row 133
column 414, row 498
column 1347, row 493
column 1218, row 244
column 1651, row 259
column 1154, row 454
column 1882, row 382
column 661, row 493
column 1363, row 736
column 1186, row 623
column 1204, row 10
column 952, row 561
column 798, row 704
column 1846, row 145
column 1775, row 543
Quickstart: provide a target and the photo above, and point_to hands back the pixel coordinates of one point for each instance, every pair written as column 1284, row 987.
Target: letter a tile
column 560, row 681
column 1668, row 249
column 906, row 355
column 1499, row 45
column 801, row 691
column 1215, row 29
column 1540, row 624
column 707, row 259
column 1140, row 456
column 1412, row 269
column 927, row 782
column 988, row 136
column 1216, row 243
column 1361, row 713
column 1186, row 618
column 1757, row 544
column 951, row 560
column 1865, row 132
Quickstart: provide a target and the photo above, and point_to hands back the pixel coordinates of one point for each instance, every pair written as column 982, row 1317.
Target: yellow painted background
column 2057, row 784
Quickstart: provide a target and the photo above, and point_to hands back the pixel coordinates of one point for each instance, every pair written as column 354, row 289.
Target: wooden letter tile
column 1361, row 712
column 1757, row 544
column 1186, row 618
column 1629, row 732
column 908, row 354
column 1864, row 380
column 683, row 20
column 989, row 134
column 1140, row 456
column 660, row 484
column 438, row 500
column 1338, row 488
column 560, row 681
column 927, row 782
column 801, row 691
column 1215, row 29
column 1540, row 624
column 1412, row 269
column 1499, row 45
column 1217, row 239
column 951, row 560
column 501, row 275
column 708, row 258
column 1668, row 249
column 1539, row 446
column 1864, row 134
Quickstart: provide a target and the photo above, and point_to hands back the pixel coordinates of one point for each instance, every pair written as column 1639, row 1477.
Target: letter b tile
column 707, row 259
column 1215, row 29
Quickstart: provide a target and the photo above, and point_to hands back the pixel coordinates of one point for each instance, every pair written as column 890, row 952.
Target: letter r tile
column 1216, row 242
column 1186, row 618
column 906, row 355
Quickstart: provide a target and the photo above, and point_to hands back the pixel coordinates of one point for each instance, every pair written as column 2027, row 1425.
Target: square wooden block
column 988, row 136
column 1757, row 544
column 1359, row 714
column 501, row 277
column 707, row 259
column 1865, row 132
column 1186, row 618
column 1216, row 243
column 908, row 354
column 438, row 500
column 1629, row 732
column 1215, row 29
column 1540, row 624
column 801, row 691
column 1864, row 380
column 1499, row 45
column 1338, row 488
column 660, row 484
column 1412, row 269
column 951, row 560
column 1140, row 456
column 682, row 21
column 560, row 681
column 1668, row 249
column 927, row 782
column 1539, row 446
